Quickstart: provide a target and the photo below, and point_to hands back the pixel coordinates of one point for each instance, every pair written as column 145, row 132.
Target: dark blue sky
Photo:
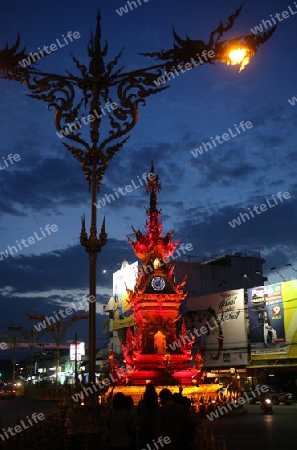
column 200, row 194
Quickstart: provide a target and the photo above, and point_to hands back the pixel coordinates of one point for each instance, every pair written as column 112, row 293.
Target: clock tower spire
column 152, row 352
column 153, row 245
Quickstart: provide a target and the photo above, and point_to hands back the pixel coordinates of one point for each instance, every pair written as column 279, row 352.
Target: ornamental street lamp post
column 96, row 87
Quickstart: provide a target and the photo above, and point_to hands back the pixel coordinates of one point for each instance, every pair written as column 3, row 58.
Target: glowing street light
column 239, row 56
column 240, row 50
column 237, row 53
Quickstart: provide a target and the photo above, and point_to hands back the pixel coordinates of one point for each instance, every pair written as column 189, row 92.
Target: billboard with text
column 123, row 279
column 77, row 351
column 222, row 315
column 273, row 320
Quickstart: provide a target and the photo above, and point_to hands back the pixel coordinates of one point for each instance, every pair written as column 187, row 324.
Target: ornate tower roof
column 153, row 245
column 150, row 350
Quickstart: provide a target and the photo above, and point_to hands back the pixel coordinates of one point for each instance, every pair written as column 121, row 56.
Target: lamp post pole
column 96, row 87
column 275, row 270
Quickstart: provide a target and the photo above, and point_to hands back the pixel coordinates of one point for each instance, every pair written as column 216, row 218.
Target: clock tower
column 152, row 349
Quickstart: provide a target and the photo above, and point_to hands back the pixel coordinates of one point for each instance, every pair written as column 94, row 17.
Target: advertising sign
column 79, row 352
column 218, row 323
column 123, row 279
column 273, row 320
column 123, row 323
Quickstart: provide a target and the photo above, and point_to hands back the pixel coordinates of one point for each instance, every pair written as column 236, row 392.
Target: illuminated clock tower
column 153, row 351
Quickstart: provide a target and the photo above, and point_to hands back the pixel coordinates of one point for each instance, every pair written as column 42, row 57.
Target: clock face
column 158, row 283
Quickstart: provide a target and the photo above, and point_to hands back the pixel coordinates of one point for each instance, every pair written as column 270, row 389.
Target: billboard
column 218, row 323
column 273, row 320
column 80, row 351
column 123, row 323
column 123, row 279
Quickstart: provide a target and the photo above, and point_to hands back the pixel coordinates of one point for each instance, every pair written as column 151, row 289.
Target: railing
column 234, row 252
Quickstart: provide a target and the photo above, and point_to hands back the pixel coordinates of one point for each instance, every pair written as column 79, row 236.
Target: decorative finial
column 103, row 234
column 152, row 167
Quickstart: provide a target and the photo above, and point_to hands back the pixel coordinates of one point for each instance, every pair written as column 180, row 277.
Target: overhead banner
column 273, row 320
column 218, row 323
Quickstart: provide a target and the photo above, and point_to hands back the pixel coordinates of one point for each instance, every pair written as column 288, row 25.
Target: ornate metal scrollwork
column 100, row 83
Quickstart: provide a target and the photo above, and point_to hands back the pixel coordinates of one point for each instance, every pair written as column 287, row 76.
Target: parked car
column 278, row 396
column 7, row 392
column 45, row 384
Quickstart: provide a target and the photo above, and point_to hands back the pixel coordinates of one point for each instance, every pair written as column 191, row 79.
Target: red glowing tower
column 153, row 351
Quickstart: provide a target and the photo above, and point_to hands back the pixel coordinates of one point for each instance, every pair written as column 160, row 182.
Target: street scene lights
column 238, row 56
column 290, row 265
column 274, row 269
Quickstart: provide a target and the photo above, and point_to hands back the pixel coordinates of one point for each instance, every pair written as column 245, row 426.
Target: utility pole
column 75, row 361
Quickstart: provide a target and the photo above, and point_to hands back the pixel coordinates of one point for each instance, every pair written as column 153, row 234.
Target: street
column 251, row 431
column 258, row 431
column 12, row 408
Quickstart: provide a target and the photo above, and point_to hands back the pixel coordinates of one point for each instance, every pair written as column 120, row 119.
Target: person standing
column 148, row 414
column 173, row 420
column 133, row 420
column 119, row 424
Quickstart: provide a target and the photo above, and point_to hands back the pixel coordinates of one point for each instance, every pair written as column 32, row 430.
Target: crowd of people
column 149, row 424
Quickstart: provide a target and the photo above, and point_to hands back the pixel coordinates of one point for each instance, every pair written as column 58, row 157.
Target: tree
column 57, row 328
column 14, row 337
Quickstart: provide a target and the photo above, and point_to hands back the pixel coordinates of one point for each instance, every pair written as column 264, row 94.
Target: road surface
column 258, row 431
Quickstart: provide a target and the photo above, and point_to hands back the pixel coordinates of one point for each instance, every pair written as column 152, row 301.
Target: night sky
column 200, row 194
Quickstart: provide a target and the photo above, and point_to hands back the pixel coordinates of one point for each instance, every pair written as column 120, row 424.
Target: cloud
column 41, row 283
